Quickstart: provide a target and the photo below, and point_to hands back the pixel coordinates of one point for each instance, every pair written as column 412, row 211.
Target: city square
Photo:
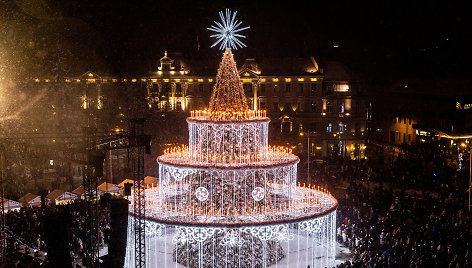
column 194, row 134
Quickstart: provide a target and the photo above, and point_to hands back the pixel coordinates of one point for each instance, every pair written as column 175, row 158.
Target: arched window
column 341, row 127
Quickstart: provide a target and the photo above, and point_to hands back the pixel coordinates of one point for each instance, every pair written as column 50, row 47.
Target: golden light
column 117, row 130
column 313, row 79
column 301, row 133
column 463, row 144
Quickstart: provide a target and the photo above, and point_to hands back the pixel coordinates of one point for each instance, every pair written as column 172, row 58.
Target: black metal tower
column 90, row 183
column 3, row 237
column 139, row 143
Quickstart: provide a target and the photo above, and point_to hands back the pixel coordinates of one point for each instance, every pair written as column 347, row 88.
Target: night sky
column 41, row 37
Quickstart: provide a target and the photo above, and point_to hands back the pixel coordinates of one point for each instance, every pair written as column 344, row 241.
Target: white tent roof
column 66, row 196
column 11, row 204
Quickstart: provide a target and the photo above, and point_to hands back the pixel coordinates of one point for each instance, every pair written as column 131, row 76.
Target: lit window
column 329, row 128
column 341, row 127
column 341, row 108
column 341, row 88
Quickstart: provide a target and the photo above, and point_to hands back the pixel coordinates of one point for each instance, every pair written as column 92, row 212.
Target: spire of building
column 228, row 93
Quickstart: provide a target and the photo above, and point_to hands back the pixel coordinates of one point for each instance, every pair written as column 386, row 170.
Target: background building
column 301, row 98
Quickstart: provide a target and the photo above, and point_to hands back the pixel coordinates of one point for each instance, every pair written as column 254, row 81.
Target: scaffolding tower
column 90, row 183
column 139, row 144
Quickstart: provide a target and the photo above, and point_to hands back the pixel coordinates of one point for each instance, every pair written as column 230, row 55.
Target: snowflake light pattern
column 227, row 31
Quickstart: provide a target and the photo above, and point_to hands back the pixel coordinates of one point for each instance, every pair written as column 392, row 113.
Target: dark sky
column 381, row 41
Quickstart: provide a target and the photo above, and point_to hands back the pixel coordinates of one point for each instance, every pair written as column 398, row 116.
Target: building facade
column 327, row 104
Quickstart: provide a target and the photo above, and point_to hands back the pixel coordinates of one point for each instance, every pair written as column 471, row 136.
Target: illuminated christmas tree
column 228, row 94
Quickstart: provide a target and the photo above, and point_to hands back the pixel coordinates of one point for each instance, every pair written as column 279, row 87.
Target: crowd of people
column 26, row 226
column 411, row 213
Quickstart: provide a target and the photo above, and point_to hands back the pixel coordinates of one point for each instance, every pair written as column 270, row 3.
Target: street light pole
column 308, row 157
column 308, row 133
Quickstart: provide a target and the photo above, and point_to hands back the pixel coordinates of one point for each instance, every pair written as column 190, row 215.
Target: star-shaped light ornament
column 227, row 31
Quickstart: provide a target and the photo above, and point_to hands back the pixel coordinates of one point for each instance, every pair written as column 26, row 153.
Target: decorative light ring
column 263, row 232
column 232, row 238
column 177, row 173
column 284, row 233
column 201, row 193
column 266, row 164
column 258, row 194
column 312, row 225
column 236, row 122
column 190, row 234
column 154, row 229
